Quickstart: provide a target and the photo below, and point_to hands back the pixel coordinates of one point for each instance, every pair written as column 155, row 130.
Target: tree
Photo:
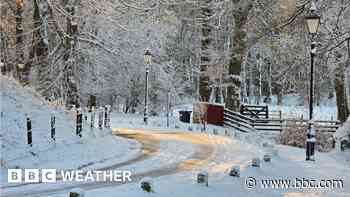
column 40, row 46
column 239, row 52
column 340, row 90
column 22, row 70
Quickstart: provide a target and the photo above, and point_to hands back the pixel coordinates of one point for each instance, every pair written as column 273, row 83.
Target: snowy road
column 196, row 151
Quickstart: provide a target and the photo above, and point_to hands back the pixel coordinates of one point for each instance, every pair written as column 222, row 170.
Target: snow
column 289, row 163
column 293, row 107
column 68, row 152
column 180, row 153
column 344, row 131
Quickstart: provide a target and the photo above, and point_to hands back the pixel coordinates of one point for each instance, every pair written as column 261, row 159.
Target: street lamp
column 148, row 61
column 312, row 23
column 313, row 20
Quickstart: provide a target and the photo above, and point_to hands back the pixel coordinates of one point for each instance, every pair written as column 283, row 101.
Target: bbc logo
column 31, row 175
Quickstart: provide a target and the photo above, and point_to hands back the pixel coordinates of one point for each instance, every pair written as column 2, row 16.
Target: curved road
column 150, row 141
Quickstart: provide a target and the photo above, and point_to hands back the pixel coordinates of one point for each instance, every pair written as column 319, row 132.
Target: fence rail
column 248, row 124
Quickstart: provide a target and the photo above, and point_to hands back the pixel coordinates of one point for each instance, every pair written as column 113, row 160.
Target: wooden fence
column 276, row 123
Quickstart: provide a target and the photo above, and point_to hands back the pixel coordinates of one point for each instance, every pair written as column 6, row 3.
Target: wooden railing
column 255, row 111
column 248, row 124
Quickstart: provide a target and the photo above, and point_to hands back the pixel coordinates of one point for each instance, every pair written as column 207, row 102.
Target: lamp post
column 167, row 108
column 147, row 61
column 312, row 23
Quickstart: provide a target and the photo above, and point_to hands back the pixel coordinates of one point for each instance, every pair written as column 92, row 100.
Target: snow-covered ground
column 289, row 164
column 68, row 152
column 178, row 154
column 239, row 149
column 293, row 108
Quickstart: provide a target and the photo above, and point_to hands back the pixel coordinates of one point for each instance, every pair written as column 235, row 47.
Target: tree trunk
column 40, row 49
column 239, row 48
column 206, row 42
column 72, row 97
column 347, row 83
column 22, row 71
column 342, row 105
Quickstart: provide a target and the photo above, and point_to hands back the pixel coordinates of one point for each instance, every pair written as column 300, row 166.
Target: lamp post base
column 145, row 120
column 310, row 151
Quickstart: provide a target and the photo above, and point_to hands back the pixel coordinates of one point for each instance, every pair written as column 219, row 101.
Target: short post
column 29, row 131
column 147, row 184
column 79, row 123
column 53, row 127
column 256, row 162
column 76, row 193
column 100, row 118
column 202, row 178
column 267, row 158
column 235, row 171
column 92, row 122
column 107, row 116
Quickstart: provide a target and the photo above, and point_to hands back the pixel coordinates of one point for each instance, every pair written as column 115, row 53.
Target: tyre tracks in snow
column 150, row 141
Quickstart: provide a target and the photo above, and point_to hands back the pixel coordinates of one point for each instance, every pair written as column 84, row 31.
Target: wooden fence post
column 79, row 123
column 29, row 131
column 53, row 127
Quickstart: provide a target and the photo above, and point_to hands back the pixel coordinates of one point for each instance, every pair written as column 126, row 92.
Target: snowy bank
column 95, row 149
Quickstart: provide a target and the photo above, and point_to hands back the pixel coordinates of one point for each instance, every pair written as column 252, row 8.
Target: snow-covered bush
column 296, row 136
column 344, row 131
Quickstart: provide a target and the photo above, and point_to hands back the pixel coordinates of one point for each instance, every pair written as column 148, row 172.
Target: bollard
column 76, row 192
column 267, row 158
column 202, row 178
column 53, row 127
column 29, row 131
column 235, row 171
column 100, row 118
column 146, row 184
column 92, row 122
column 79, row 123
column 256, row 162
